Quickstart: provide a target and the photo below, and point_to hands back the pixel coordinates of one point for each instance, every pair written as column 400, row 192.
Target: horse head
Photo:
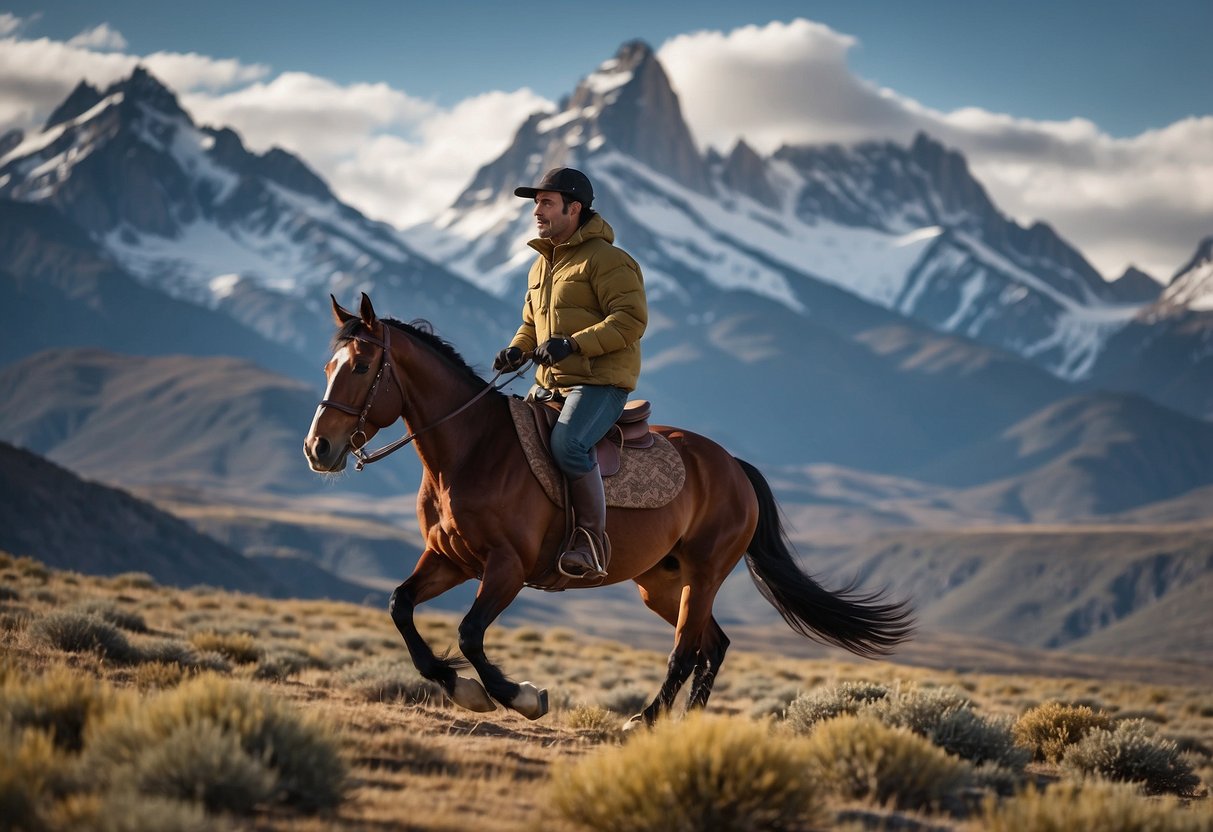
column 355, row 404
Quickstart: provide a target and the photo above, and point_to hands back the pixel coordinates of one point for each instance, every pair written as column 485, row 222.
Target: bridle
column 385, row 364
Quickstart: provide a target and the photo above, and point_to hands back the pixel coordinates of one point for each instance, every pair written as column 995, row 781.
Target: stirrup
column 597, row 569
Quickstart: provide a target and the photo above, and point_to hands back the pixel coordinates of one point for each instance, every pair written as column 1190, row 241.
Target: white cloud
column 1145, row 199
column 9, row 23
column 394, row 156
column 101, row 38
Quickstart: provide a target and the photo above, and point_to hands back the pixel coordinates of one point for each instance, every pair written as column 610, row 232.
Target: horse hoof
column 638, row 721
column 470, row 694
column 531, row 702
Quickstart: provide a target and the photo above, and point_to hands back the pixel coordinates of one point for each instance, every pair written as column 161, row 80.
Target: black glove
column 553, row 351
column 508, row 359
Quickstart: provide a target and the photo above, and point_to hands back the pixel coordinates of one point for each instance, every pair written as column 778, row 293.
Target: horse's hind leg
column 433, row 576
column 711, row 655
column 503, row 580
column 688, row 606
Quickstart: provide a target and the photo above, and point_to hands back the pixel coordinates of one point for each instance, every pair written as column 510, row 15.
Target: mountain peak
column 144, row 88
column 82, row 99
column 629, row 103
column 745, row 172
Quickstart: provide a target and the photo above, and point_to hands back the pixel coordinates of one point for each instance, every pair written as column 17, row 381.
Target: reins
column 385, row 363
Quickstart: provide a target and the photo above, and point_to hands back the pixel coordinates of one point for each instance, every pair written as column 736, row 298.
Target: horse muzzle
column 323, row 456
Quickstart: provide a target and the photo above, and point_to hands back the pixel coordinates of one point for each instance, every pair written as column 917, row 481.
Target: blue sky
column 1096, row 117
column 1126, row 65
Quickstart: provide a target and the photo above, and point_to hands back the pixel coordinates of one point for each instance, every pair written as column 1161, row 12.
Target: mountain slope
column 188, row 210
column 69, row 523
column 64, row 291
column 210, row 423
column 1047, row 587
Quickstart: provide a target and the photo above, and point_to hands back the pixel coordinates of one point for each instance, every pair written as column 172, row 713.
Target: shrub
column 30, row 770
column 816, row 706
column 1130, row 752
column 238, row 647
column 59, row 702
column 1049, row 729
column 133, row 580
column 859, row 757
column 1107, row 807
column 946, row 718
column 7, row 593
column 203, row 762
column 385, row 679
column 301, row 754
column 128, row 620
column 703, row 773
column 123, row 812
column 594, row 722
column 280, row 665
column 77, row 632
column 170, row 651
column 158, row 675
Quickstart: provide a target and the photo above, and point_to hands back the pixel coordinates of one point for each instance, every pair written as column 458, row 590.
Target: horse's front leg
column 503, row 579
column 434, row 575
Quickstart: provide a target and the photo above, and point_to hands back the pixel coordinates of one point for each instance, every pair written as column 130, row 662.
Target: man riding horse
column 584, row 314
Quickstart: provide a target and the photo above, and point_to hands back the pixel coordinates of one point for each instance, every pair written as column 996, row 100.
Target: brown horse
column 484, row 515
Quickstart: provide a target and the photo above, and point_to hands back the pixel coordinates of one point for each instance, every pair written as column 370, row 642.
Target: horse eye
column 361, row 368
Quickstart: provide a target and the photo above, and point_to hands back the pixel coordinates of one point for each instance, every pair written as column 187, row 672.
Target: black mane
column 420, row 329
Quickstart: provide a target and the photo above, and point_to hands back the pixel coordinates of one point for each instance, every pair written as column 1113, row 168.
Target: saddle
column 631, row 430
column 640, row 468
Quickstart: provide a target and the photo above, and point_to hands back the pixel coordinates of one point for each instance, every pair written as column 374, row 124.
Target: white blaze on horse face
column 340, row 359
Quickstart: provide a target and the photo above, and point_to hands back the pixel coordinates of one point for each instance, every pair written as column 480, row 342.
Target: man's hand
column 508, row 359
column 553, row 351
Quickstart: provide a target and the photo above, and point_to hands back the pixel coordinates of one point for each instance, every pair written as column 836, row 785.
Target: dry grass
column 411, row 760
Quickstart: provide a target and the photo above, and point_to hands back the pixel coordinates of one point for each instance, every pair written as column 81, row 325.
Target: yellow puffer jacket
column 588, row 290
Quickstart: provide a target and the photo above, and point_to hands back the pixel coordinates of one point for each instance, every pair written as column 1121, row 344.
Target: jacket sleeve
column 525, row 338
column 620, row 292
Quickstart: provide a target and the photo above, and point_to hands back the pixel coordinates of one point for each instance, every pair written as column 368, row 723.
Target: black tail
column 866, row 625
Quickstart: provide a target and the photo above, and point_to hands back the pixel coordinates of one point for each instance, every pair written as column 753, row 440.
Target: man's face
column 555, row 222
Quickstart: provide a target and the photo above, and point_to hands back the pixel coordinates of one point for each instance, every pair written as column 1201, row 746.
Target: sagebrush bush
column 128, row 620
column 203, row 762
column 1131, row 753
column 1106, row 807
column 76, row 632
column 1049, row 729
column 124, row 812
column 133, row 580
column 821, row 704
column 302, row 754
column 240, row 648
column 390, row 680
column 860, row 757
column 594, row 722
column 944, row 716
column 702, row 774
column 59, row 702
column 31, row 771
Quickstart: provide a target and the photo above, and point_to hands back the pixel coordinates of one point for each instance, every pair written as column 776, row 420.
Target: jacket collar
column 596, row 228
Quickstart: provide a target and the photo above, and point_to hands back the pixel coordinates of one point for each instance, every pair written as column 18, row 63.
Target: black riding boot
column 590, row 551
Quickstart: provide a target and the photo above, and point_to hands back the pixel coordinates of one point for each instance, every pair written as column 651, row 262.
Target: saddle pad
column 647, row 478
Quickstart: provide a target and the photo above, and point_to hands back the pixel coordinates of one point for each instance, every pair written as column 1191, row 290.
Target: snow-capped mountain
column 1192, row 286
column 189, row 210
column 1166, row 351
column 907, row 229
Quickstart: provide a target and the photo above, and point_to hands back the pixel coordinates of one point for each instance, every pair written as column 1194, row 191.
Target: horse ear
column 340, row 313
column 368, row 311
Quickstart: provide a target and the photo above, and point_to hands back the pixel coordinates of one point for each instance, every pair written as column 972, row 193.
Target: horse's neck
column 434, row 389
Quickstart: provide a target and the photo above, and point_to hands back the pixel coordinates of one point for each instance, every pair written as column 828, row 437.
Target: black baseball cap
column 568, row 181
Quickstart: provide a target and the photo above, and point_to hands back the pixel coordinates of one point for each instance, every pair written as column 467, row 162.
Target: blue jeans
column 589, row 411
